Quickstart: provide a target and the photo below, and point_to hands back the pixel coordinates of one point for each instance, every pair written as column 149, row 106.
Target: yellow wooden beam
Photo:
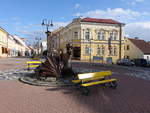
column 98, row 82
column 31, row 66
column 33, row 62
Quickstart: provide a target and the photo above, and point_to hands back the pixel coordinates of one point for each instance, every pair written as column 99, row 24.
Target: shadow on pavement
column 130, row 96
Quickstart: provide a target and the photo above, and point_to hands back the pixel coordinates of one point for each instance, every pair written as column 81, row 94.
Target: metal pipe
column 120, row 41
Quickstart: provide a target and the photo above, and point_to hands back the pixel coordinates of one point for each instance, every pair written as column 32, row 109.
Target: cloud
column 139, row 0
column 77, row 5
column 135, row 24
column 36, row 30
column 138, row 29
column 125, row 15
column 59, row 24
column 132, row 2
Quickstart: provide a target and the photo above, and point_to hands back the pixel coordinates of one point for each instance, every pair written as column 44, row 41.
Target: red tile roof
column 96, row 20
column 141, row 44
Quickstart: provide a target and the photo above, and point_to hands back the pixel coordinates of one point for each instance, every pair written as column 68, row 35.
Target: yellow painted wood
column 91, row 76
column 30, row 66
column 98, row 82
column 33, row 62
column 76, row 81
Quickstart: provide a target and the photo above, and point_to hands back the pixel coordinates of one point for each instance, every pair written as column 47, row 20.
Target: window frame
column 101, row 35
column 87, row 34
column 87, row 50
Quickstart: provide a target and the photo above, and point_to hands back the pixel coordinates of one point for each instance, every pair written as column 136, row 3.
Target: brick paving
column 12, row 63
column 131, row 96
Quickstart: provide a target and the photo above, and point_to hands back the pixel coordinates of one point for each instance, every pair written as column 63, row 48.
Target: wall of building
column 3, row 43
column 67, row 35
column 133, row 52
column 94, row 43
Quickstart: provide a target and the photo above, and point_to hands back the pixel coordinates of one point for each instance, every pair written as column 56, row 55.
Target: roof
column 57, row 31
column 3, row 30
column 20, row 41
column 141, row 44
column 96, row 20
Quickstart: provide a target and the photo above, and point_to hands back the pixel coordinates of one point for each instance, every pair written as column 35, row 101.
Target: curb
column 50, row 84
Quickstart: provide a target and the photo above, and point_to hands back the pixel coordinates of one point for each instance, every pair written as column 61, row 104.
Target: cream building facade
column 20, row 46
column 3, row 43
column 137, row 48
column 11, row 46
column 92, row 39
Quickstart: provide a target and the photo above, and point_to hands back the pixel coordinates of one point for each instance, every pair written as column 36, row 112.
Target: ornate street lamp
column 48, row 24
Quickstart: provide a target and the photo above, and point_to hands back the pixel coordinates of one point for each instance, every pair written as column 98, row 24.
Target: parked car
column 148, row 63
column 140, row 62
column 125, row 62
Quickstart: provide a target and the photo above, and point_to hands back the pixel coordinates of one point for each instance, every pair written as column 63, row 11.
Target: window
column 87, row 35
column 128, row 57
column 87, row 50
column 113, row 51
column 147, row 57
column 113, row 35
column 128, row 47
column 4, row 50
column 101, row 35
column 76, row 34
column 100, row 50
column 110, row 50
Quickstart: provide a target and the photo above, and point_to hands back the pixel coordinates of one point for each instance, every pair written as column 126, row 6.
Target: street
column 131, row 96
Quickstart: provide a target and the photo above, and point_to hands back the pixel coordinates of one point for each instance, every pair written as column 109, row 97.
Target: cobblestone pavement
column 12, row 63
column 131, row 96
column 140, row 72
column 13, row 68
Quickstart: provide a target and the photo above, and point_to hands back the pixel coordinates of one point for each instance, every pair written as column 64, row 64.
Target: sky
column 24, row 17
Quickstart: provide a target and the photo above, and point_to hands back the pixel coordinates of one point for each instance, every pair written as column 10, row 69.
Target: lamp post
column 48, row 24
column 38, row 44
column 90, row 50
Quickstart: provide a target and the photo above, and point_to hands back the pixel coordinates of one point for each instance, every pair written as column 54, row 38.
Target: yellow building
column 92, row 39
column 3, row 43
column 137, row 48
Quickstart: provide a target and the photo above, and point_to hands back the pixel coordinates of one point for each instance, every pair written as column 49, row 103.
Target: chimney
column 76, row 19
column 136, row 37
